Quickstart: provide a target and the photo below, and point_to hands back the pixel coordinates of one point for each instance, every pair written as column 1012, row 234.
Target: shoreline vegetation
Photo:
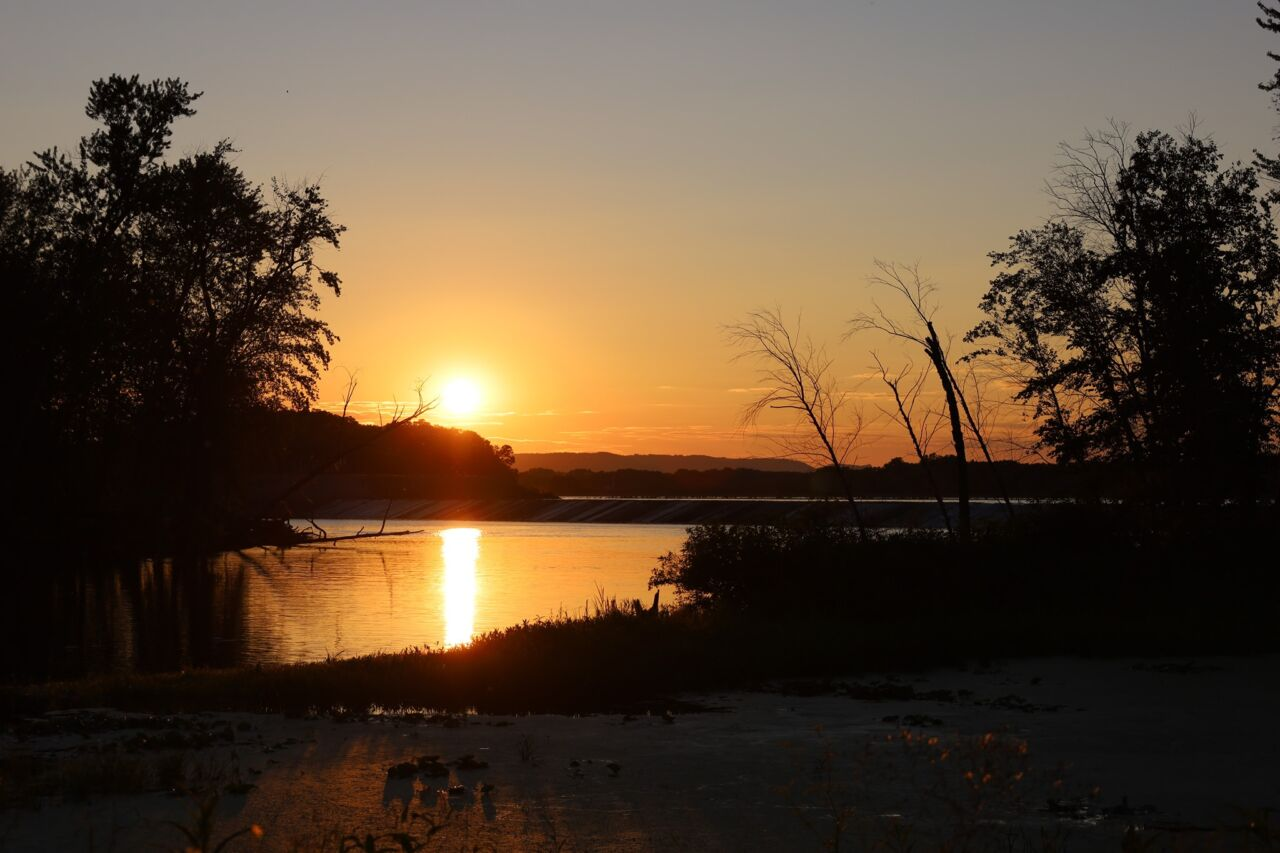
column 754, row 603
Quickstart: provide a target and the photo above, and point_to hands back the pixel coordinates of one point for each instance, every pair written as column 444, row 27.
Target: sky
column 566, row 202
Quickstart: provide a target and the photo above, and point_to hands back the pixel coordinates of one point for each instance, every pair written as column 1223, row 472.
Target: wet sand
column 1004, row 756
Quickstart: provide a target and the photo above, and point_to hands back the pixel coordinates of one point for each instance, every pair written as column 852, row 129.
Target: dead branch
column 349, row 391
column 797, row 376
column 918, row 293
column 977, row 432
column 360, row 534
column 906, row 405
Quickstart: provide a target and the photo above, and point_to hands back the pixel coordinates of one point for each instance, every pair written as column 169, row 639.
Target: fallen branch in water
column 359, row 534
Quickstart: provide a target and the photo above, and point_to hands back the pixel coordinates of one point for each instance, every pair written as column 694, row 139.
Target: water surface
column 437, row 587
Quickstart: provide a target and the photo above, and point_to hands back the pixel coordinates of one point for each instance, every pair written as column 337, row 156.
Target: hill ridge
column 668, row 463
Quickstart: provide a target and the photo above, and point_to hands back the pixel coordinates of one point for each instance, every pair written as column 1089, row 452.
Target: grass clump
column 1062, row 580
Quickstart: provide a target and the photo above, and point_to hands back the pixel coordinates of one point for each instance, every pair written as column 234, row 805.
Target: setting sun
column 460, row 397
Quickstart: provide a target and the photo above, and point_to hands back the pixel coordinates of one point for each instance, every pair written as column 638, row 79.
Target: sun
column 460, row 396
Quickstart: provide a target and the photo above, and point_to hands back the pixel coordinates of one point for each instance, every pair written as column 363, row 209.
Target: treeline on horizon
column 352, row 460
column 897, row 478
column 290, row 464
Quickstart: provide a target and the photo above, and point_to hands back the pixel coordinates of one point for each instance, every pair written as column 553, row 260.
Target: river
column 439, row 586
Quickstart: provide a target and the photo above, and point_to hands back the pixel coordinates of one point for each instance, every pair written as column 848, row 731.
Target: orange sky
column 565, row 201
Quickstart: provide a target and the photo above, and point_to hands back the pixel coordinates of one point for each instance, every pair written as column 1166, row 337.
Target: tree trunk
column 924, row 461
column 982, row 442
column 933, row 348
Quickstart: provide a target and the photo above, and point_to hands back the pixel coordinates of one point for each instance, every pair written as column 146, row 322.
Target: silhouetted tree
column 918, row 293
column 905, row 386
column 155, row 297
column 796, row 375
column 506, row 455
column 1143, row 317
column 1270, row 21
column 341, row 459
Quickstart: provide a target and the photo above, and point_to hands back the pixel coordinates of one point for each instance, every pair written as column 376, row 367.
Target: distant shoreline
column 667, row 463
column 591, row 510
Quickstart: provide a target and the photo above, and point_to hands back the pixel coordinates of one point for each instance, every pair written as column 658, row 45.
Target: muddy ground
column 1031, row 755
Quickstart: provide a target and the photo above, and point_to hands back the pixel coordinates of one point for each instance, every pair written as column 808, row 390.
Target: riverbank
column 627, row 657
column 1037, row 754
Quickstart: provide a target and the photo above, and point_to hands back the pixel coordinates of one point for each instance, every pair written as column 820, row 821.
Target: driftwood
column 325, row 538
column 357, row 535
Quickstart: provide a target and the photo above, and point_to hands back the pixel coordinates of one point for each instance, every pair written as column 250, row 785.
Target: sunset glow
column 460, row 397
column 767, row 162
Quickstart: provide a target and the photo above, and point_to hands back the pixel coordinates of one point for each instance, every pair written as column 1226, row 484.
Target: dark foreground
column 1134, row 709
column 1040, row 754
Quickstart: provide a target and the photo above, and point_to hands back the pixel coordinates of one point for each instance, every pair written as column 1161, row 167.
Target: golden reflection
column 460, row 548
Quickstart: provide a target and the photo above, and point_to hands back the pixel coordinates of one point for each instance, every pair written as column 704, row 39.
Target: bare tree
column 1084, row 178
column 1012, row 373
column 918, row 293
column 906, row 385
column 350, row 390
column 796, row 375
column 977, row 429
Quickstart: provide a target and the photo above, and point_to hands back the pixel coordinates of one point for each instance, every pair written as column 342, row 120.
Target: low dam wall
column 884, row 513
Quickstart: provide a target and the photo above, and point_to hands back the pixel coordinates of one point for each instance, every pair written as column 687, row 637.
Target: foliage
column 151, row 298
column 630, row 482
column 1141, row 323
column 919, row 580
column 166, row 288
column 754, row 566
column 416, row 460
column 1270, row 21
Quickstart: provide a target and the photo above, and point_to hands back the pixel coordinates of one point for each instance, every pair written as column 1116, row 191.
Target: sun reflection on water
column 460, row 548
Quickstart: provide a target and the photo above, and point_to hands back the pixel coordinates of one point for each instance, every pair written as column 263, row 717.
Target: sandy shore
column 1006, row 757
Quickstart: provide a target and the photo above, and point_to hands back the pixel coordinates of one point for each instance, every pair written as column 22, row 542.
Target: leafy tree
column 1142, row 320
column 155, row 298
column 1270, row 21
